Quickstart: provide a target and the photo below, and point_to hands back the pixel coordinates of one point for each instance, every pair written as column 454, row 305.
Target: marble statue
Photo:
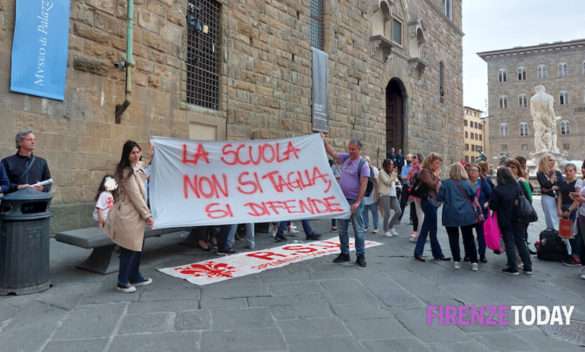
column 544, row 121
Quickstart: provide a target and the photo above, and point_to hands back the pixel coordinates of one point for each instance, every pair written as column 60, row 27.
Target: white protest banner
column 242, row 264
column 195, row 183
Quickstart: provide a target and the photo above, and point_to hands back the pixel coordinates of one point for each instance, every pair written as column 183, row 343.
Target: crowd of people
column 468, row 195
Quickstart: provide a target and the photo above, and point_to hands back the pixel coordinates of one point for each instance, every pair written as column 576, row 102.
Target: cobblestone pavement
column 310, row 306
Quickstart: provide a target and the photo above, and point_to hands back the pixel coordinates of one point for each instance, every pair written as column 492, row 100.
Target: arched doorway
column 395, row 115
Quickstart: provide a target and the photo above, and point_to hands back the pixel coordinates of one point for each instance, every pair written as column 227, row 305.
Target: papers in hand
column 44, row 183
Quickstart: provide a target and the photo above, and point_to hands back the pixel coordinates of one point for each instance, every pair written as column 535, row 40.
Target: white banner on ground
column 195, row 183
column 242, row 264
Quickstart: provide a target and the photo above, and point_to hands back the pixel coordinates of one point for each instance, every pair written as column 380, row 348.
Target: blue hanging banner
column 39, row 48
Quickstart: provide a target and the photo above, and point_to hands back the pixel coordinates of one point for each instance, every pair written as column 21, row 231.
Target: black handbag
column 525, row 211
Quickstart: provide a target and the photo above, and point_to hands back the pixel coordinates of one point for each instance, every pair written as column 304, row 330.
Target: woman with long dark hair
column 426, row 188
column 504, row 200
column 127, row 219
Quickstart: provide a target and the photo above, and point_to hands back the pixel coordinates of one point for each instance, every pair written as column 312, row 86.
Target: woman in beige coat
column 127, row 219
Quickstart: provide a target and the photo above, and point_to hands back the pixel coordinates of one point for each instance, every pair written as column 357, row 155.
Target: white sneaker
column 456, row 265
column 293, row 229
column 388, row 234
column 582, row 276
column 375, row 231
column 394, row 232
column 126, row 289
column 146, row 282
column 474, row 267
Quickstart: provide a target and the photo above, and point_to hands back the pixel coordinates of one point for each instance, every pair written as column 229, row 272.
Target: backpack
column 416, row 189
column 370, row 186
column 551, row 246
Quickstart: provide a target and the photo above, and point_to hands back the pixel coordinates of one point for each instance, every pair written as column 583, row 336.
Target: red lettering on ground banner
column 205, row 187
column 265, row 255
column 267, row 153
column 219, row 211
column 252, row 186
column 299, row 249
column 200, row 153
column 325, row 244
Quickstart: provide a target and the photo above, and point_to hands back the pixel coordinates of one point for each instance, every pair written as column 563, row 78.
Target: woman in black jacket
column 504, row 201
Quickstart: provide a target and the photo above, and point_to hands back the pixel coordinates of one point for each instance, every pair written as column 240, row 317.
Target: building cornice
column 534, row 49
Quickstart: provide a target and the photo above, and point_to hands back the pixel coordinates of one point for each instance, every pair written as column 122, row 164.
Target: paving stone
column 293, row 288
column 363, row 310
column 193, row 320
column 91, row 321
column 415, row 321
column 241, row 319
column 287, row 300
column 155, row 293
column 223, row 303
column 327, row 344
column 298, row 330
column 539, row 340
column 162, row 306
column 346, row 291
column 301, row 310
column 502, row 341
column 149, row 322
column 467, row 346
column 397, row 345
column 381, row 328
column 243, row 340
column 20, row 339
column 233, row 289
column 96, row 345
column 167, row 342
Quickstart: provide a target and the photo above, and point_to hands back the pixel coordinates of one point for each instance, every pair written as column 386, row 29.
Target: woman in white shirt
column 387, row 182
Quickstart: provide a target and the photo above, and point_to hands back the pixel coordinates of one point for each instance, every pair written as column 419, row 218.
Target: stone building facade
column 395, row 79
column 512, row 76
column 474, row 132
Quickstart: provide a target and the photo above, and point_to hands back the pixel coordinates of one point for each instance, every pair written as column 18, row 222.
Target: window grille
column 203, row 49
column 317, row 27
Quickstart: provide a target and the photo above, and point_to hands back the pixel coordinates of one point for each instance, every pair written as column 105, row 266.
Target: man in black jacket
column 24, row 169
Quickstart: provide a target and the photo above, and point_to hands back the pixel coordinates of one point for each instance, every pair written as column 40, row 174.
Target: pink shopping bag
column 492, row 233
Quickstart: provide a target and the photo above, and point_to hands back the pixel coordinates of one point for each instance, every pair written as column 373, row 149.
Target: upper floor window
column 542, row 71
column 503, row 129
column 563, row 71
column 465, row 123
column 521, row 71
column 203, row 48
column 502, row 75
column 448, row 9
column 466, row 134
column 523, row 129
column 396, row 31
column 503, row 102
column 523, row 101
column 317, row 24
column 565, row 130
column 584, row 67
column 564, row 97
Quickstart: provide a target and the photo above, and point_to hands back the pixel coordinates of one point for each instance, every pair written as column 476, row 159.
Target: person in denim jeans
column 353, row 181
column 429, row 185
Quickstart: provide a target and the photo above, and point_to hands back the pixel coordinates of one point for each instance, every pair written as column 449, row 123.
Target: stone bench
column 100, row 260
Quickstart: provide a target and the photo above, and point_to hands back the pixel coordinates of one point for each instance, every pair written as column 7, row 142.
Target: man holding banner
column 354, row 179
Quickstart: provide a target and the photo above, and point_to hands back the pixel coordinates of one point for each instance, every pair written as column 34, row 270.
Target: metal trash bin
column 24, row 242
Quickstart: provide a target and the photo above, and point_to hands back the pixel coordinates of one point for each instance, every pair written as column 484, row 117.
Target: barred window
column 317, row 26
column 441, row 81
column 203, row 48
column 502, row 75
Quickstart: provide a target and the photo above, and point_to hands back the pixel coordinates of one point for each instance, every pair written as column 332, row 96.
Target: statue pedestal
column 532, row 163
